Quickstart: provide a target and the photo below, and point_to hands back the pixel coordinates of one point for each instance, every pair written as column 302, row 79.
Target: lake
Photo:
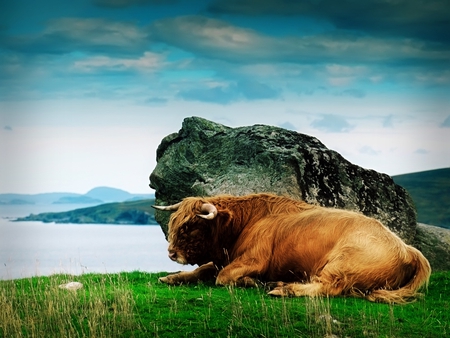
column 40, row 249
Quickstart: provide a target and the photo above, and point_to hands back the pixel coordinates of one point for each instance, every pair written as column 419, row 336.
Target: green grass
column 136, row 305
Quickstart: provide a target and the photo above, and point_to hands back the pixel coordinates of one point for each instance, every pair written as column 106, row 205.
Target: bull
column 299, row 248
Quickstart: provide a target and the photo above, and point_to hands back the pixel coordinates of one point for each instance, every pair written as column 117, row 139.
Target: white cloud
column 368, row 150
column 332, row 124
column 352, row 92
column 128, row 3
column 218, row 39
column 95, row 31
column 446, row 122
column 388, row 121
column 148, row 62
column 341, row 81
column 91, row 35
column 288, row 125
column 433, row 76
column 376, row 78
column 342, row 75
column 421, row 151
column 343, row 70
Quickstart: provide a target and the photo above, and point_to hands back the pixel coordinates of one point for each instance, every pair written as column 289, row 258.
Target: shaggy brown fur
column 309, row 250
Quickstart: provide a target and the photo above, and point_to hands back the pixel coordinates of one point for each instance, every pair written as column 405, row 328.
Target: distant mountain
column 16, row 201
column 430, row 191
column 94, row 196
column 136, row 212
column 45, row 198
column 78, row 200
column 107, row 194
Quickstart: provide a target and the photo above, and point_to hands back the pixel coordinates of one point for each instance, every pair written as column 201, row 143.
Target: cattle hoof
column 273, row 285
column 170, row 280
column 279, row 292
column 246, row 282
column 164, row 280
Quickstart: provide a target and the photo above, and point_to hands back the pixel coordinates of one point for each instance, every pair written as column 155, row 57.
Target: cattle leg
column 203, row 273
column 312, row 289
column 239, row 274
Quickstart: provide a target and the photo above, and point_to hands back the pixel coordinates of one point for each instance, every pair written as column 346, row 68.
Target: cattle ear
column 209, row 211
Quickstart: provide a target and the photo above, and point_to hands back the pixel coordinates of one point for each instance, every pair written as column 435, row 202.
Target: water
column 40, row 249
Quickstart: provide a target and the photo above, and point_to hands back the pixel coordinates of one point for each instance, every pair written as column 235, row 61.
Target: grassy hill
column 430, row 191
column 134, row 212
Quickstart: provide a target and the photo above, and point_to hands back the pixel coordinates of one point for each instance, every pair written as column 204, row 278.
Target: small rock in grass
column 71, row 286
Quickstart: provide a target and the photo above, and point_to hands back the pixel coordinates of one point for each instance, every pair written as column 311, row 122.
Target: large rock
column 205, row 158
column 434, row 242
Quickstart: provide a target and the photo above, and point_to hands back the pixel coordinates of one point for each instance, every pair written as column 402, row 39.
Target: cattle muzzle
column 173, row 255
column 178, row 257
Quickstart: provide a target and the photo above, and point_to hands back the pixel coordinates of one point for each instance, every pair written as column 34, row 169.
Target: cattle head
column 190, row 232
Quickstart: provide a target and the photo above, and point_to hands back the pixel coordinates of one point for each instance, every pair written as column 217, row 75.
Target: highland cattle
column 301, row 249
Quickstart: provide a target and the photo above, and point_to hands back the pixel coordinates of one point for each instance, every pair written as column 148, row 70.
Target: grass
column 430, row 191
column 136, row 305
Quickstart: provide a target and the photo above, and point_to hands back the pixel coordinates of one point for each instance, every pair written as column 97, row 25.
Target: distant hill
column 107, row 194
column 77, row 200
column 135, row 212
column 93, row 196
column 45, row 198
column 15, row 201
column 430, row 191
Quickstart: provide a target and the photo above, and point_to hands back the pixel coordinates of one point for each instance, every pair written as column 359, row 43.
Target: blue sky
column 88, row 88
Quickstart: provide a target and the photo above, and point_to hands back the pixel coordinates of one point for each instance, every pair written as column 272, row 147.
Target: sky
column 89, row 88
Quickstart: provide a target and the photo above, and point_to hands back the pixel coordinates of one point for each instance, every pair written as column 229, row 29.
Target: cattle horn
column 209, row 211
column 172, row 207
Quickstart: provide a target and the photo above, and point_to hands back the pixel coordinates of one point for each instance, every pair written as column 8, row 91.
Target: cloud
column 388, row 121
column 155, row 101
column 288, row 125
column 217, row 39
column 356, row 93
column 186, row 51
column 426, row 20
column 219, row 94
column 343, row 75
column 421, row 151
column 332, row 124
column 8, row 128
column 148, row 62
column 253, row 90
column 367, row 150
column 129, row 3
column 446, row 122
column 345, row 71
column 225, row 94
column 66, row 35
